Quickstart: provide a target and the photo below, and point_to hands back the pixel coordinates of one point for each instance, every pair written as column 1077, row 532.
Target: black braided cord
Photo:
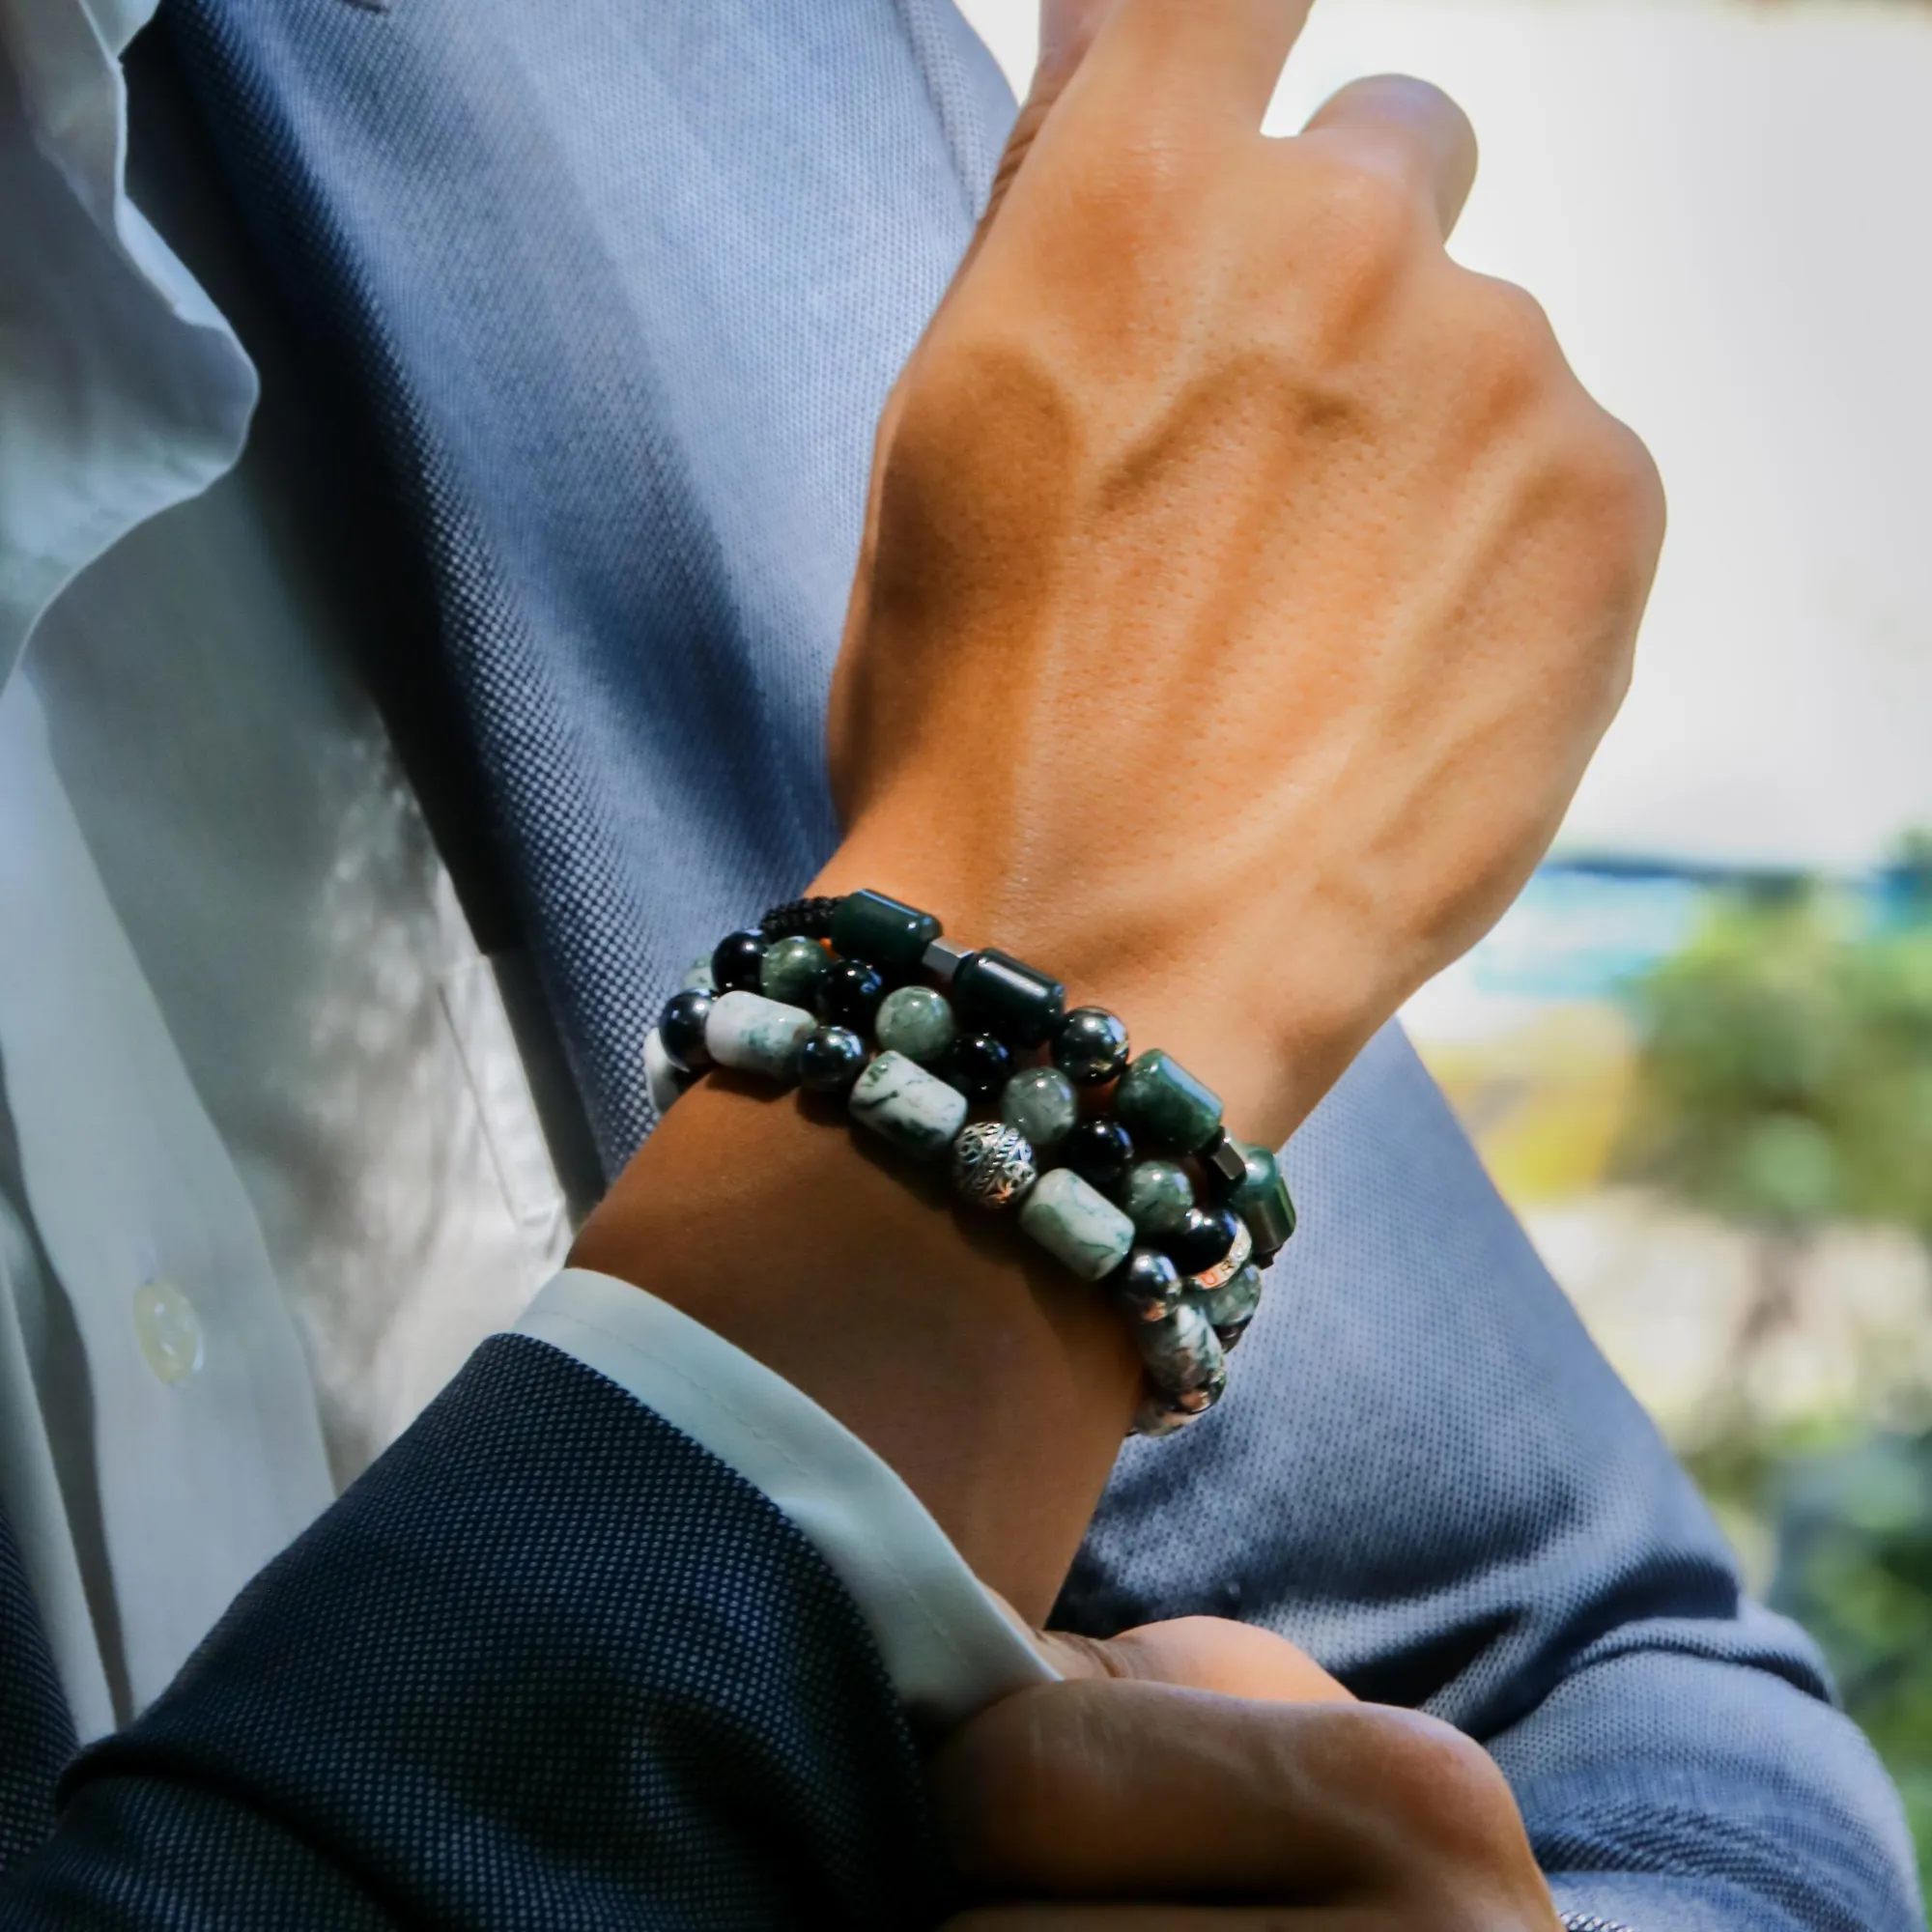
column 1588, row 1922
column 800, row 918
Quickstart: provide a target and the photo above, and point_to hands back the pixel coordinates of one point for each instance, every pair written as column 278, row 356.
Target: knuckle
column 1512, row 338
column 1368, row 216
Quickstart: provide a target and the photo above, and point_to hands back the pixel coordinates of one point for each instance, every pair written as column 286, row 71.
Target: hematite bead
column 1261, row 1200
column 1222, row 1158
column 978, row 1064
column 1081, row 1229
column 791, row 970
column 738, row 962
column 992, row 1164
column 1002, row 995
column 1230, row 1307
column 1165, row 1106
column 882, row 932
column 1157, row 1196
column 1203, row 1236
column 903, row 1103
column 1040, row 1102
column 1203, row 1281
column 1180, row 1352
column 1146, row 1285
column 754, row 1034
column 1090, row 1046
column 917, row 1022
column 849, row 994
column 664, row 1082
column 682, row 1025
column 830, row 1059
column 1099, row 1151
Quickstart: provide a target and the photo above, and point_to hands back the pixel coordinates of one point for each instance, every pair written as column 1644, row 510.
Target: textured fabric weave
column 36, row 1731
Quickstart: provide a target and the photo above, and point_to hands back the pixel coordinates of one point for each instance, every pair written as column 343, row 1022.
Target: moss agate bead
column 1040, row 1102
column 1230, row 1307
column 1157, row 1197
column 992, row 1164
column 1099, row 1151
column 1165, row 1106
column 830, row 1059
column 681, row 1029
column 849, row 994
column 751, row 1034
column 1164, row 1415
column 737, row 964
column 978, row 1064
column 1090, row 1046
column 884, row 933
column 999, row 994
column 791, row 970
column 901, row 1103
column 1146, row 1285
column 1080, row 1228
column 1261, row 1200
column 1179, row 1352
column 917, row 1022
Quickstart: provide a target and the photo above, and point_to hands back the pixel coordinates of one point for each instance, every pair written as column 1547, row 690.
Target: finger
column 1067, row 30
column 1201, row 1653
column 1042, row 1795
column 1214, row 62
column 1410, row 130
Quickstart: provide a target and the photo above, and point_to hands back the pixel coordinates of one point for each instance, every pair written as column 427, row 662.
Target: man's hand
column 1143, row 1806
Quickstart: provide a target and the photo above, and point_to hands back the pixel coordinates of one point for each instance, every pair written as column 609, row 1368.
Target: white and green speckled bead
column 1077, row 1224
column 903, row 1103
column 751, row 1034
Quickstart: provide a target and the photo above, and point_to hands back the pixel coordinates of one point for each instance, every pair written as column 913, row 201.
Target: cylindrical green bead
column 903, row 1103
column 1263, row 1200
column 1164, row 1106
column 1157, row 1196
column 915, row 1021
column 791, row 970
column 882, row 933
column 1040, row 1102
column 1076, row 1224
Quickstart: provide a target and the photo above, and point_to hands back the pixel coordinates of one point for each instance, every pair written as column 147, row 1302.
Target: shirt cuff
column 950, row 1647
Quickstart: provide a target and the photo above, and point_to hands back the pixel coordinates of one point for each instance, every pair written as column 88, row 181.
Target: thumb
column 1067, row 30
column 1200, row 1653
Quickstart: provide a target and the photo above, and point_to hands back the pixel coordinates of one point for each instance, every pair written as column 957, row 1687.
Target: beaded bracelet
column 1119, row 1167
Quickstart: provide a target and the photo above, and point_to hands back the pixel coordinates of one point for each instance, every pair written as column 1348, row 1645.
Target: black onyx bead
column 738, row 962
column 1146, row 1285
column 1201, row 1239
column 978, row 1066
column 1090, row 1047
column 1002, row 995
column 1099, row 1151
column 882, row 932
column 830, row 1059
column 682, row 1030
column 849, row 994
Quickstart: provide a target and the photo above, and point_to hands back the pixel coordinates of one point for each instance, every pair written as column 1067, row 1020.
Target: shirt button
column 168, row 1330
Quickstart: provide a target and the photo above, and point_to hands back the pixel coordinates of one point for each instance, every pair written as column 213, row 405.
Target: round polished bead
column 992, row 1164
column 849, row 994
column 1201, row 1239
column 1162, row 1413
column 830, row 1059
column 682, row 1028
column 917, row 1022
column 1099, row 1151
column 1230, row 1307
column 882, row 931
column 1203, row 1281
column 1157, row 1197
column 1146, row 1285
column 1090, row 1046
column 978, row 1066
column 1165, row 1105
column 1180, row 1350
column 791, row 970
column 1082, row 1229
column 737, row 965
column 1040, row 1102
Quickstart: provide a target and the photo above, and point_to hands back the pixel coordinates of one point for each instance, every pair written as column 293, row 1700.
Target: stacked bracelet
column 1119, row 1166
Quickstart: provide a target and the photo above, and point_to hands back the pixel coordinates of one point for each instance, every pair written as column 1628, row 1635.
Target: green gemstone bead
column 1263, row 1200
column 1164, row 1106
column 1040, row 1102
column 1076, row 1224
column 882, row 933
column 1157, row 1196
column 1232, row 1304
column 791, row 970
column 915, row 1021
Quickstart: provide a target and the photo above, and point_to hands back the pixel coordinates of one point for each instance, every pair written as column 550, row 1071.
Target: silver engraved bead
column 1228, row 1267
column 992, row 1164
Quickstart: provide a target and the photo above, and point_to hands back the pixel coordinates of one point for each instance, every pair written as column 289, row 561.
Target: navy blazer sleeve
column 549, row 1663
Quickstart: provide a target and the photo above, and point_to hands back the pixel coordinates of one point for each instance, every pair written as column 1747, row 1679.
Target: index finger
column 1215, row 61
